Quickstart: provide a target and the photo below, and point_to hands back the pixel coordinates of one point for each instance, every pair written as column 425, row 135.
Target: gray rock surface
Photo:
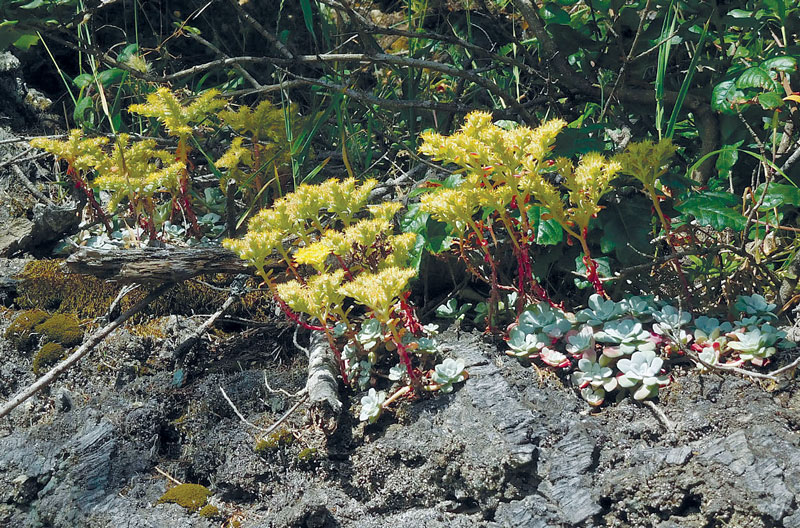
column 507, row 449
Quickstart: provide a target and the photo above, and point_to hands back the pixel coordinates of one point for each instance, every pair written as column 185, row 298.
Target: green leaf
column 553, row 14
column 725, row 95
column 717, row 209
column 127, row 52
column 308, row 17
column 84, row 112
column 770, row 100
column 778, row 194
column 756, row 77
column 83, row 80
column 548, row 232
column 26, row 41
column 727, row 158
column 110, row 77
column 626, row 229
column 782, row 64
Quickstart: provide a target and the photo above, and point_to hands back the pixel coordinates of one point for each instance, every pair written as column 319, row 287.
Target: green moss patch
column 20, row 332
column 62, row 328
column 46, row 357
column 190, row 496
column 209, row 511
column 281, row 437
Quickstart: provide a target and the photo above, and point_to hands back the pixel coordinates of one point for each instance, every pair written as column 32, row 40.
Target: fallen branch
column 237, row 288
column 155, row 264
column 84, row 349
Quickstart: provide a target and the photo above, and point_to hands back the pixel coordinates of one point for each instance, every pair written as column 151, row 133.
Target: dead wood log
column 155, row 265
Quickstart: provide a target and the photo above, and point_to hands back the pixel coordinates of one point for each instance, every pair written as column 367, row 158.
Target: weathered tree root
column 323, row 385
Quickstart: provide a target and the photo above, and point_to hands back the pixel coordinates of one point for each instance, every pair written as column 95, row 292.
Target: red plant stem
column 410, row 320
column 591, row 265
column 89, row 193
column 294, row 317
column 344, row 267
column 667, row 230
column 186, row 204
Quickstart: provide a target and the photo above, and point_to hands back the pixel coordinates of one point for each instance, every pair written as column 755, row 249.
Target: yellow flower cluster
column 138, row 169
column 317, row 297
column 646, row 161
column 176, row 118
column 379, row 291
column 304, row 213
column 80, row 152
column 502, row 165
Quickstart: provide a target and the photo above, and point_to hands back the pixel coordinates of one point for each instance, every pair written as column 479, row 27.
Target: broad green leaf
column 626, row 229
column 717, row 209
column 83, row 80
column 727, row 158
column 603, row 270
column 548, row 231
column 756, row 77
column 26, row 41
column 725, row 95
column 770, row 100
column 84, row 112
column 783, row 64
column 110, row 77
column 553, row 14
column 778, row 194
column 127, row 52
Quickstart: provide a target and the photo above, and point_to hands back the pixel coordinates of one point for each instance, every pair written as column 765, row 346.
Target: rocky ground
column 509, row 448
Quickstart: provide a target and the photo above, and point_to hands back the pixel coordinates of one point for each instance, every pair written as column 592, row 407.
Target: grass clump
column 62, row 328
column 190, row 496
column 46, row 357
column 21, row 331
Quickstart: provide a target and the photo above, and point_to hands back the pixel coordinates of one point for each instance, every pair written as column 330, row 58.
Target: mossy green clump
column 280, row 438
column 46, row 357
column 45, row 284
column 209, row 511
column 190, row 496
column 308, row 454
column 21, row 331
column 62, row 328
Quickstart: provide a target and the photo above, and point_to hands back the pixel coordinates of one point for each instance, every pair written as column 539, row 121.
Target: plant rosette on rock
column 447, row 373
column 641, row 374
column 593, row 379
column 372, row 406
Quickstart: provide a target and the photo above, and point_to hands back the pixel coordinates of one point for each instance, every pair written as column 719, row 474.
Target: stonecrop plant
column 341, row 253
column 507, row 173
column 626, row 347
column 135, row 172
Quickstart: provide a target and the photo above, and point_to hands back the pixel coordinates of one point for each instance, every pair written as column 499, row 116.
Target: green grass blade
column 687, row 81
column 667, row 28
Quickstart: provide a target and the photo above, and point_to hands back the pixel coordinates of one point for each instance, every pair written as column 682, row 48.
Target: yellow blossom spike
column 386, row 210
column 379, row 291
column 314, row 255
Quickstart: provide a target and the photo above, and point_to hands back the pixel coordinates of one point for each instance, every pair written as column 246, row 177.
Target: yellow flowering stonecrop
column 508, row 170
column 340, row 251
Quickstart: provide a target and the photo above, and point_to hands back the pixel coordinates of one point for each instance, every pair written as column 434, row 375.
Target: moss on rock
column 281, row 437
column 190, row 496
column 45, row 284
column 209, row 511
column 20, row 332
column 46, row 357
column 62, row 328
